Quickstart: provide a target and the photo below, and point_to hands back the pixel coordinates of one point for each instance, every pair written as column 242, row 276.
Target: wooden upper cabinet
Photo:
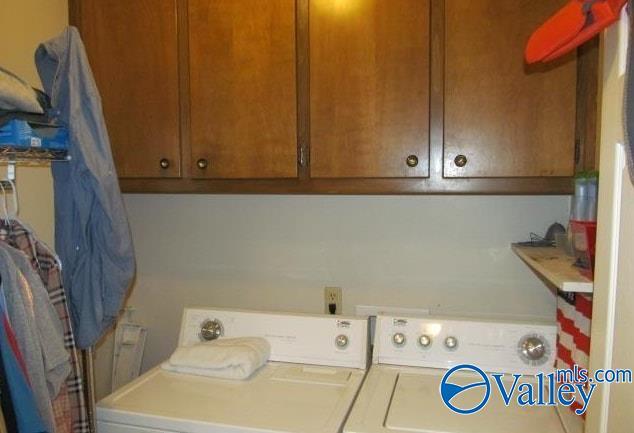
column 243, row 88
column 369, row 88
column 132, row 47
column 376, row 96
column 507, row 119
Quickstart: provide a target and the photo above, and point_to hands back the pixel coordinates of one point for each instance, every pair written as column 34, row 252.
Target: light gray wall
column 447, row 253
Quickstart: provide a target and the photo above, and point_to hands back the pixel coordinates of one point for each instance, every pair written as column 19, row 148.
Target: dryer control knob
column 211, row 330
column 399, row 339
column 451, row 343
column 341, row 341
column 424, row 341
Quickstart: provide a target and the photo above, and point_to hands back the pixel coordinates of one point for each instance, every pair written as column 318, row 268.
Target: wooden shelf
column 554, row 266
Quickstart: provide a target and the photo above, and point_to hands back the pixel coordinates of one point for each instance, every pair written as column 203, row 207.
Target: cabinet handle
column 412, row 161
column 165, row 163
column 460, row 160
column 202, row 163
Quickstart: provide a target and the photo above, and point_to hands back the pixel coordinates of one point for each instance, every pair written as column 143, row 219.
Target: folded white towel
column 227, row 358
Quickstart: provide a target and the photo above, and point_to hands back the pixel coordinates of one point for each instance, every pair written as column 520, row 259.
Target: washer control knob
column 211, row 330
column 533, row 349
column 424, row 341
column 399, row 339
column 451, row 343
column 341, row 341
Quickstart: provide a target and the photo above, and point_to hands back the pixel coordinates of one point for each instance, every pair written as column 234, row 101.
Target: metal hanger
column 16, row 206
column 4, row 205
column 8, row 185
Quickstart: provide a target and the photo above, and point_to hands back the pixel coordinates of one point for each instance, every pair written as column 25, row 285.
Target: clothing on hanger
column 13, row 342
column 39, row 336
column 26, row 414
column 5, row 394
column 62, row 411
column 49, row 328
column 48, row 266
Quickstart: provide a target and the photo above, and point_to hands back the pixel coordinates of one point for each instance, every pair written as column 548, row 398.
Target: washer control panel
column 303, row 338
column 441, row 342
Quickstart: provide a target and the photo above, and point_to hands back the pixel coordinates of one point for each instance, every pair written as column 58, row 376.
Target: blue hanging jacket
column 92, row 235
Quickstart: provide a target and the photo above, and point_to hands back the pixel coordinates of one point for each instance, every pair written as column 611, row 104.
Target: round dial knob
column 341, row 341
column 460, row 160
column 451, row 343
column 164, row 163
column 412, row 161
column 424, row 341
column 399, row 339
column 533, row 349
column 210, row 330
column 202, row 163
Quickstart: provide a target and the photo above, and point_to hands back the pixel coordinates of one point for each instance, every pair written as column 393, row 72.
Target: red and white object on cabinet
column 574, row 24
column 574, row 319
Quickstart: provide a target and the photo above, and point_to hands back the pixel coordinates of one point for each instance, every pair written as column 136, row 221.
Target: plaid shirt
column 69, row 407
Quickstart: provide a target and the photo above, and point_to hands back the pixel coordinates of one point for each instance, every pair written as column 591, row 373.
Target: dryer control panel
column 302, row 338
column 439, row 342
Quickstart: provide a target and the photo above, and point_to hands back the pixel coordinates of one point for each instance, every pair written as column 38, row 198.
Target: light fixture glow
column 336, row 7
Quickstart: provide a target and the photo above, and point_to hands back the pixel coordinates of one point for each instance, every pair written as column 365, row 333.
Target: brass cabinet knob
column 460, row 160
column 165, row 163
column 412, row 161
column 202, row 163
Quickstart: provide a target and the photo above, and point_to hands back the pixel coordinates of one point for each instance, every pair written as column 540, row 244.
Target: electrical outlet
column 333, row 300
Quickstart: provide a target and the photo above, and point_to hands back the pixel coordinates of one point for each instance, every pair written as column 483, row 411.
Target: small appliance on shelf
column 583, row 221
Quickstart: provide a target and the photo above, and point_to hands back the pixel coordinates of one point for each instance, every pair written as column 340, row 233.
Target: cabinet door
column 243, row 88
column 369, row 88
column 502, row 117
column 132, row 48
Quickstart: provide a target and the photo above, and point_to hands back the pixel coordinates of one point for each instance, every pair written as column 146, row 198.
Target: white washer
column 316, row 368
column 401, row 391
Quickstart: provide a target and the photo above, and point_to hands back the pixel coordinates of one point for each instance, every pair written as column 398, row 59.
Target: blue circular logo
column 449, row 389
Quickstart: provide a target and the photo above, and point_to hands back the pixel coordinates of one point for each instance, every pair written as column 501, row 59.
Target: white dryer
column 316, row 368
column 402, row 392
